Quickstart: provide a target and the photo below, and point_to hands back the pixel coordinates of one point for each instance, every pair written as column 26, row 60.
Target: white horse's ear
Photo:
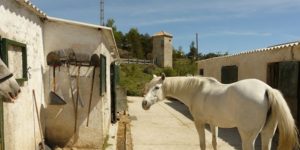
column 154, row 76
column 163, row 76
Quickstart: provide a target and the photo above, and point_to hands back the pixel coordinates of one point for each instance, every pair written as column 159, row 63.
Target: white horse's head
column 154, row 92
column 9, row 88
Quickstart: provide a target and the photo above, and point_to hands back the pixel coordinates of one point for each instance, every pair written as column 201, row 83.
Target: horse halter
column 5, row 77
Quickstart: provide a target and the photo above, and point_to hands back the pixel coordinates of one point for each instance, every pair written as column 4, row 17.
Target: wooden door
column 1, row 125
column 288, row 84
column 284, row 76
column 114, row 77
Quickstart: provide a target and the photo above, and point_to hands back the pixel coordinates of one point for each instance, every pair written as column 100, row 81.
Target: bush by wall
column 135, row 76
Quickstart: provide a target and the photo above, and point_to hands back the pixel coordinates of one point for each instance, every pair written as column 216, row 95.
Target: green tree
column 134, row 40
column 193, row 51
column 111, row 23
column 146, row 42
column 184, row 67
column 178, row 53
column 211, row 55
column 119, row 37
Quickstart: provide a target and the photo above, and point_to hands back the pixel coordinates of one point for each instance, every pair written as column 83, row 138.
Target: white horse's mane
column 173, row 84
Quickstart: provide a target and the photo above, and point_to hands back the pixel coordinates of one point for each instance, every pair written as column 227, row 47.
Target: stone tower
column 162, row 49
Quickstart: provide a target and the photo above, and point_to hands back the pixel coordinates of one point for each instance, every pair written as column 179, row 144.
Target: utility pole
column 197, row 45
column 102, row 12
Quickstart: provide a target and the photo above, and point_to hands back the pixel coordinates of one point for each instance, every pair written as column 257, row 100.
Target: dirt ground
column 124, row 140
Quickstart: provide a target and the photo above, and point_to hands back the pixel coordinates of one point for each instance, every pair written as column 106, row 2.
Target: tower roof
column 163, row 33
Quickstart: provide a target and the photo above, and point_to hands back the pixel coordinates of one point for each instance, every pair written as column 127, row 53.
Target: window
column 14, row 55
column 201, row 72
column 102, row 75
column 162, row 43
column 229, row 74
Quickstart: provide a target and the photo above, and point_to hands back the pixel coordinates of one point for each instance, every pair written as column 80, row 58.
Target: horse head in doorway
column 9, row 88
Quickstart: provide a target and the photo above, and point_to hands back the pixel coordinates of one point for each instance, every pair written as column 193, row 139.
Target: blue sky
column 223, row 25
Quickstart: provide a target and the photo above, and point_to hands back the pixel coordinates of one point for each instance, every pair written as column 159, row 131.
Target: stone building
column 277, row 65
column 162, row 52
column 27, row 36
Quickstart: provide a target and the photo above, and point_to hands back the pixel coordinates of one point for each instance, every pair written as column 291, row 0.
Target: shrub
column 149, row 69
column 169, row 72
column 133, row 77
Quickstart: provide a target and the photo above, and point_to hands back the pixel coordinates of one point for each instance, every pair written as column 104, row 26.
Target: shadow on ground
column 229, row 135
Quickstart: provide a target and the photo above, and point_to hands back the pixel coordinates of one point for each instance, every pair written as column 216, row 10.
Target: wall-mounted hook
column 28, row 73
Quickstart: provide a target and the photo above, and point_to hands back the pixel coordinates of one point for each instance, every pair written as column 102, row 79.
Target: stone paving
column 168, row 125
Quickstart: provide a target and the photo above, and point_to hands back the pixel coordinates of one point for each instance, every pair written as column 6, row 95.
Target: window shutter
column 3, row 51
column 102, row 75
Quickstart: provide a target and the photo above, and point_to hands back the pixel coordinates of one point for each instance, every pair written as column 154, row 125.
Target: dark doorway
column 1, row 125
column 201, row 72
column 284, row 76
column 229, row 74
column 114, row 77
column 1, row 107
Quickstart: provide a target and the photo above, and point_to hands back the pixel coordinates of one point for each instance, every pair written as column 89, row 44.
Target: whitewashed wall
column 21, row 130
column 60, row 119
column 251, row 65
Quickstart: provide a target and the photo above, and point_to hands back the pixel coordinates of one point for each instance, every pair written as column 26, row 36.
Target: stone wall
column 21, row 129
column 60, row 119
column 158, row 52
column 162, row 51
column 41, row 36
column 168, row 52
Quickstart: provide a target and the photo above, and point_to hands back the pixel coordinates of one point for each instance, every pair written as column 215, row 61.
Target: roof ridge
column 163, row 33
column 289, row 44
column 32, row 7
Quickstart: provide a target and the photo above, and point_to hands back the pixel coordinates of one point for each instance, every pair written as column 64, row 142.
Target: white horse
column 9, row 88
column 250, row 105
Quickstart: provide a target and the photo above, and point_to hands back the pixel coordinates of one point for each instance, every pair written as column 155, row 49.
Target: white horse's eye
column 156, row 88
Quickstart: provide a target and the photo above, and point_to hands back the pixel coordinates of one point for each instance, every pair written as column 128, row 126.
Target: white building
column 27, row 36
column 278, row 66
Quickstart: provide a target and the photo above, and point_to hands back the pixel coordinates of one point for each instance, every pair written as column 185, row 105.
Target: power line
column 102, row 12
column 197, row 45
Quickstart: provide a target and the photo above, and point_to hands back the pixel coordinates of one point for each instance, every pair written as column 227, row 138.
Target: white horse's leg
column 267, row 134
column 248, row 139
column 201, row 131
column 214, row 132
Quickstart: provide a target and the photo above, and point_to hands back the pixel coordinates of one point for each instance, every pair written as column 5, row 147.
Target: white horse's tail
column 288, row 133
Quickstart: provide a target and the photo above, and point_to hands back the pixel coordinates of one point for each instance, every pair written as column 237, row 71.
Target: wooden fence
column 136, row 61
